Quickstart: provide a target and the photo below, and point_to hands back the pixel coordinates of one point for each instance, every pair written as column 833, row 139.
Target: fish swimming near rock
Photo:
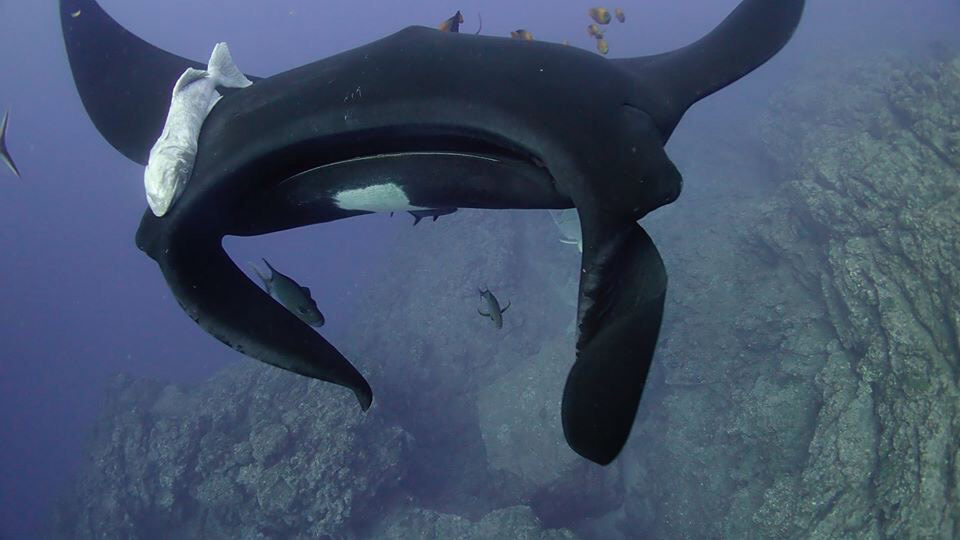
column 493, row 307
column 432, row 213
column 4, row 153
column 194, row 95
column 522, row 35
column 594, row 31
column 618, row 13
column 293, row 296
column 424, row 119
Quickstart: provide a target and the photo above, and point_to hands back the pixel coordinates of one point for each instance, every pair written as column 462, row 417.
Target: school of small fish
column 600, row 15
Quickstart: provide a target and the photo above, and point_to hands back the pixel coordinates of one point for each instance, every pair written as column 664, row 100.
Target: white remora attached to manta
column 172, row 157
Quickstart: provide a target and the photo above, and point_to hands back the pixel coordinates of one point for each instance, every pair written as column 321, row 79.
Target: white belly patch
column 387, row 197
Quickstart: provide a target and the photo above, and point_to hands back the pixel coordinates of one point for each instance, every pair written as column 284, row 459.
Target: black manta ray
column 375, row 129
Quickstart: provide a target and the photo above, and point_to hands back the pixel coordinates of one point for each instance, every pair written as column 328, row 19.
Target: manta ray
column 508, row 124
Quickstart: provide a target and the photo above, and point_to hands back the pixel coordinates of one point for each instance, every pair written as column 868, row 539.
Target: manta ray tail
column 104, row 55
column 747, row 38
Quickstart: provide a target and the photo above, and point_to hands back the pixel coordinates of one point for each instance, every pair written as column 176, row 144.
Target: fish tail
column 265, row 279
column 223, row 70
column 270, row 266
column 4, row 154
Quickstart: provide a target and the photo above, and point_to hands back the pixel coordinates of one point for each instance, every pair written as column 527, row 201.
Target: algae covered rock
column 256, row 452
column 516, row 523
column 880, row 210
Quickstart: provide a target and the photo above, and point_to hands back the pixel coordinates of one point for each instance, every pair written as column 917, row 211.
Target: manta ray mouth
column 413, row 154
column 353, row 149
column 402, row 174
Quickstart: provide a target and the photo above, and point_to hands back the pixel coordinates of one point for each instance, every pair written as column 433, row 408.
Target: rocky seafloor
column 806, row 383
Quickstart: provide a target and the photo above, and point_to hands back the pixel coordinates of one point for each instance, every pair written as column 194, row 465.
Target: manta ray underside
column 424, row 119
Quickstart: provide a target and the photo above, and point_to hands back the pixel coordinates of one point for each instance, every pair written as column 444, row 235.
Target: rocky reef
column 810, row 355
column 806, row 383
column 252, row 454
column 873, row 231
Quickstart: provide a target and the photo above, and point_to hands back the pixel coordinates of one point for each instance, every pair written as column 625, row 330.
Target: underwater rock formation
column 871, row 224
column 255, row 453
column 519, row 417
column 515, row 523
column 807, row 379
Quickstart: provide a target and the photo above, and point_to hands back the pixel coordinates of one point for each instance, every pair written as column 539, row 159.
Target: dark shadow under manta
column 454, row 121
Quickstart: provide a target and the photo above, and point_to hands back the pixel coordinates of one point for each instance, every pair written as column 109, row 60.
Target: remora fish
column 194, row 95
column 293, row 296
column 4, row 153
column 501, row 124
column 493, row 307
column 432, row 213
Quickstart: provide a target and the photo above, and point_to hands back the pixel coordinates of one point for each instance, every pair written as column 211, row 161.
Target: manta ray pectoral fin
column 482, row 313
column 219, row 297
column 622, row 290
column 504, row 310
column 747, row 38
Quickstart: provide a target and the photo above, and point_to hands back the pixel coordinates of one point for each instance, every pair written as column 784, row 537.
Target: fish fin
column 189, row 76
column 4, row 153
column 504, row 310
column 128, row 97
column 223, row 70
column 482, row 313
column 265, row 279
column 622, row 290
column 272, row 269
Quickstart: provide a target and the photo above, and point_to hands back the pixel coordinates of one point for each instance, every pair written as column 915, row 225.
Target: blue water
column 80, row 302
